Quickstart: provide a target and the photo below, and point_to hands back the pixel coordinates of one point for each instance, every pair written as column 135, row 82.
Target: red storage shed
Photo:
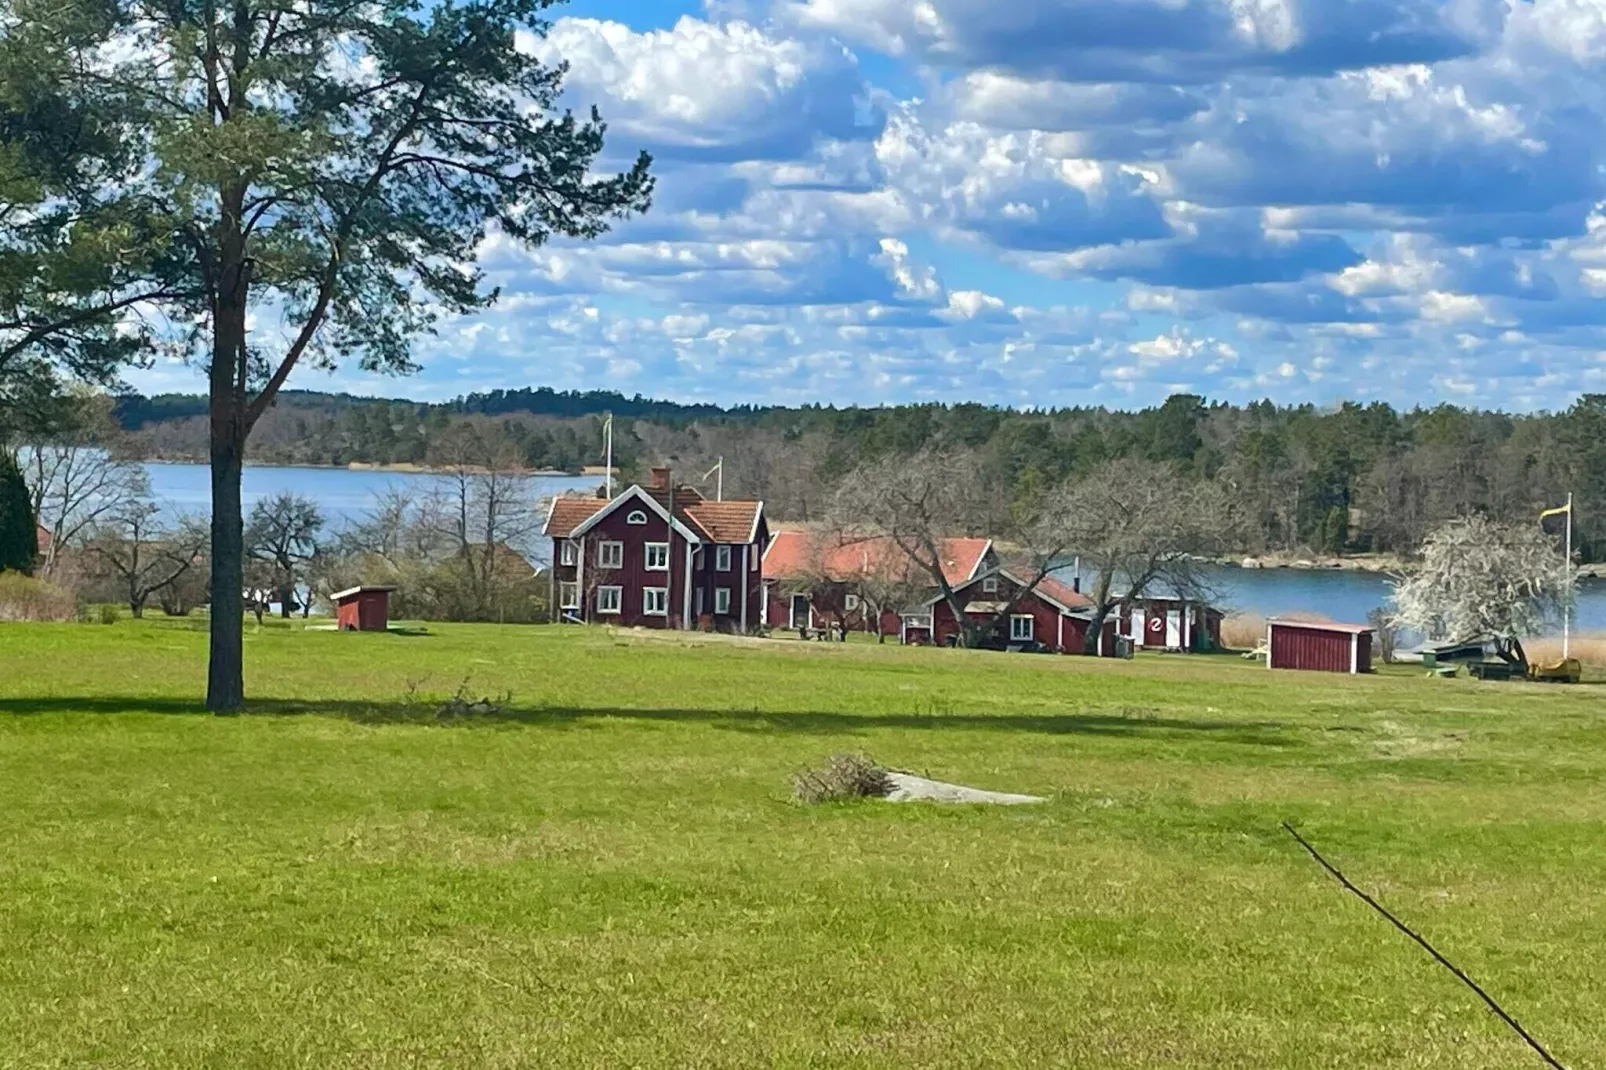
column 1318, row 647
column 362, row 609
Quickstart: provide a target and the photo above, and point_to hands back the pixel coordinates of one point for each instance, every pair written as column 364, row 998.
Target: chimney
column 1076, row 578
column 660, row 479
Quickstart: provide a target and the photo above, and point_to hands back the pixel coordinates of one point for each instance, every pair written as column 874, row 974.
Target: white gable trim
column 981, row 559
column 758, row 515
column 550, row 509
column 637, row 494
column 1036, row 592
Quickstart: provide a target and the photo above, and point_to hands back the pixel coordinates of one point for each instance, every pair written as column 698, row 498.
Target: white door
column 1138, row 624
column 1173, row 629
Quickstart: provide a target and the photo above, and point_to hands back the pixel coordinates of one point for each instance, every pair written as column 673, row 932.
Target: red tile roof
column 730, row 522
column 43, row 538
column 725, row 521
column 1063, row 593
column 569, row 513
column 796, row 554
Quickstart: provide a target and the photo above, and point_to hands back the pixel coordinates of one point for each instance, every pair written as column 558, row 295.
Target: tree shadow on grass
column 1121, row 722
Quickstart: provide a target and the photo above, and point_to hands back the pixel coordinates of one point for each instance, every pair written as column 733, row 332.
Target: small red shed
column 1319, row 646
column 363, row 609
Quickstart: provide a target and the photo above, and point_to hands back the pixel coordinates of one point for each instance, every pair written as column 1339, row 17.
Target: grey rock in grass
column 907, row 787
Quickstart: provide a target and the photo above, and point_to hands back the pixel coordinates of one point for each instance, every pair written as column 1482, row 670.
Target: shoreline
column 397, row 468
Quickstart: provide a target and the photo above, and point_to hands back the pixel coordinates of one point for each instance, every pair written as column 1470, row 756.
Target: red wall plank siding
column 1318, row 650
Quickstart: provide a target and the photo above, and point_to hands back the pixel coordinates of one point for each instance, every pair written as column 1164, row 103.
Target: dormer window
column 636, row 517
column 989, row 585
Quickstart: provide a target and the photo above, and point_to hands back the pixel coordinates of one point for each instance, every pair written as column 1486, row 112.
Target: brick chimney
column 659, row 480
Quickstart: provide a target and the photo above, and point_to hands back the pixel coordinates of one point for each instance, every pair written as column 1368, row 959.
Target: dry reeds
column 844, row 776
column 1589, row 648
column 1247, row 631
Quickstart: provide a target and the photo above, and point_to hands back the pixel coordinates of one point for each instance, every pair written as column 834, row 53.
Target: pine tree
column 19, row 538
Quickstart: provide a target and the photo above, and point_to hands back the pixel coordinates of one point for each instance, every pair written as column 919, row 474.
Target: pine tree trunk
column 225, row 681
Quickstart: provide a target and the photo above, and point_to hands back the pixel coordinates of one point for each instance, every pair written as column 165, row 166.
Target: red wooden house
column 654, row 557
column 812, row 580
column 1051, row 615
column 364, row 608
column 1169, row 623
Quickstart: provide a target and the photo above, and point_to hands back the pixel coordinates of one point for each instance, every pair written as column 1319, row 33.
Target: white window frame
column 755, row 557
column 611, row 554
column 1015, row 621
column 850, row 602
column 616, row 595
column 636, row 518
column 568, row 595
column 569, row 552
column 722, row 600
column 722, row 559
column 989, row 585
column 648, row 597
column 655, row 549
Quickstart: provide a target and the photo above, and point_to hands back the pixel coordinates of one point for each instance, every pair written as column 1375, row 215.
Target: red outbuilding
column 1319, row 647
column 1050, row 616
column 363, row 609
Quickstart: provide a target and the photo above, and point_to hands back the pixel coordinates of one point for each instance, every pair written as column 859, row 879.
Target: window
column 851, row 602
column 722, row 558
column 568, row 596
column 989, row 585
column 754, row 558
column 655, row 601
column 722, row 599
column 657, row 557
column 918, row 620
column 610, row 555
column 637, row 517
column 1020, row 629
column 609, row 599
column 570, row 553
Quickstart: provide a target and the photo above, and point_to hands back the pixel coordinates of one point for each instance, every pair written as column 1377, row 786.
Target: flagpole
column 719, row 492
column 1567, row 609
column 607, row 427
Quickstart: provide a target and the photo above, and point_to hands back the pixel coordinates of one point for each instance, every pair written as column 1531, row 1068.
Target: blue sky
column 1064, row 202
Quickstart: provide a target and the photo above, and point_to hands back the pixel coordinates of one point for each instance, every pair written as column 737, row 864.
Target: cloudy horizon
column 1066, row 202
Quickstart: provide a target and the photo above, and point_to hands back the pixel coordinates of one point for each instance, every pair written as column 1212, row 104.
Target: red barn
column 656, row 558
column 1319, row 647
column 1051, row 616
column 811, row 580
column 362, row 609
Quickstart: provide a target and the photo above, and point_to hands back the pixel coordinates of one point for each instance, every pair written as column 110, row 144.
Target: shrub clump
column 25, row 598
column 844, row 776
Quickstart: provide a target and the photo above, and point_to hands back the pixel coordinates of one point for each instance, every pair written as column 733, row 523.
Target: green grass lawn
column 610, row 872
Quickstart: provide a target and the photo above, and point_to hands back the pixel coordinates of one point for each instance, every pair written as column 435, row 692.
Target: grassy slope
column 614, row 876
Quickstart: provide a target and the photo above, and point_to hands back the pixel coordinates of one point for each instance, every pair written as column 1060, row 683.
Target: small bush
column 110, row 614
column 845, row 776
column 25, row 598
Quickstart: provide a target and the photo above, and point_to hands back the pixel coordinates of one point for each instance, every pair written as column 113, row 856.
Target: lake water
column 345, row 495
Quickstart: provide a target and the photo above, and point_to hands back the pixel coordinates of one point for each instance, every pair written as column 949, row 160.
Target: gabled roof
column 733, row 522
column 797, row 554
column 1323, row 626
column 635, row 494
column 568, row 513
column 1059, row 595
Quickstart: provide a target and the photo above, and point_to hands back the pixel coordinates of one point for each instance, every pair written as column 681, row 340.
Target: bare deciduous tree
column 485, row 508
column 920, row 502
column 144, row 556
column 282, row 534
column 1478, row 578
column 75, row 476
column 1141, row 527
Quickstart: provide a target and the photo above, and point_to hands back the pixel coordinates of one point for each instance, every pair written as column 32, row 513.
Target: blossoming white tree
column 1477, row 578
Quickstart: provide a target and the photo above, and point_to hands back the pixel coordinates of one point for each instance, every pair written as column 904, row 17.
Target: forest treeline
column 1350, row 478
